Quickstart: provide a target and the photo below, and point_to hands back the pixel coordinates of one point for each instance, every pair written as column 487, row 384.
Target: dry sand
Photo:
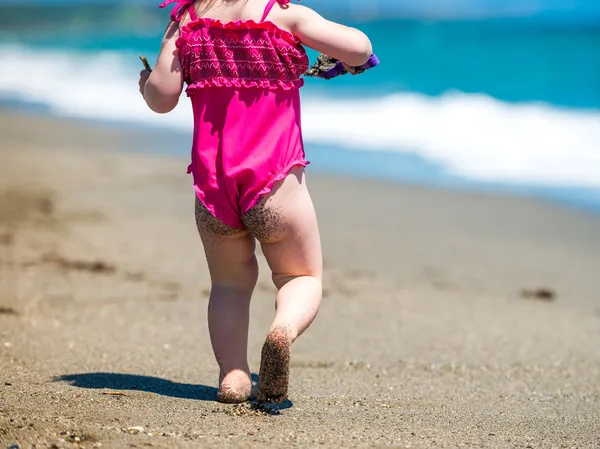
column 425, row 338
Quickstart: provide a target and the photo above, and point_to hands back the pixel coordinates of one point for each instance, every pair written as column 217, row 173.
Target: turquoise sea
column 474, row 94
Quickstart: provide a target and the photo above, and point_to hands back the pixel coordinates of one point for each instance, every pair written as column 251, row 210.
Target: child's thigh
column 285, row 223
column 229, row 251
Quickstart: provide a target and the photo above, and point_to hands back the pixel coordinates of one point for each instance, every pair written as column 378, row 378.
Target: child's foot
column 235, row 387
column 274, row 374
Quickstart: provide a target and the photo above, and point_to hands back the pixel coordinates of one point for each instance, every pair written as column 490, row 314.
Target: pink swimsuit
column 243, row 80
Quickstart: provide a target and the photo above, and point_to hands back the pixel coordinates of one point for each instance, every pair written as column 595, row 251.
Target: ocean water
column 496, row 96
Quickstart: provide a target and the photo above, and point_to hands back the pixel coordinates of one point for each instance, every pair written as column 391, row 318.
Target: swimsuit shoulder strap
column 192, row 12
column 180, row 7
column 270, row 7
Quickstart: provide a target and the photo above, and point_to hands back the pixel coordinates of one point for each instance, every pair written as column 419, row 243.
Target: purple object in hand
column 339, row 68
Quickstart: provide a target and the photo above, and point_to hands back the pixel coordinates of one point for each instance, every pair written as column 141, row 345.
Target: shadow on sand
column 116, row 381
column 163, row 387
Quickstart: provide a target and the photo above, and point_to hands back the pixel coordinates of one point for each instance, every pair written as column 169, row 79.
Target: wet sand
column 432, row 333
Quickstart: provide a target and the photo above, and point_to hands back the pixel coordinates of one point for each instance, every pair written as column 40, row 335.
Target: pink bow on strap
column 179, row 9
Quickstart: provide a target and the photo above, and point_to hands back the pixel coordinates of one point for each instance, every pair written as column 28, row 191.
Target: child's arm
column 343, row 43
column 163, row 87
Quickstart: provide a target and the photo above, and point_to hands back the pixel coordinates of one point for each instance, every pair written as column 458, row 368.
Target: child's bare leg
column 234, row 273
column 285, row 223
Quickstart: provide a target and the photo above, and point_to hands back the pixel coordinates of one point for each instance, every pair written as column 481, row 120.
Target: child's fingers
column 144, row 75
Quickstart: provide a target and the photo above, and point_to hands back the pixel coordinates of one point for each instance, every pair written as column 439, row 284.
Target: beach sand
column 426, row 337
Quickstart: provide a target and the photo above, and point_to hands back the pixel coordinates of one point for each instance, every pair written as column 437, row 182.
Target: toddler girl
column 243, row 61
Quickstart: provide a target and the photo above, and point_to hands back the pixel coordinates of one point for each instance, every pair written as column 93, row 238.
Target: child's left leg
column 234, row 272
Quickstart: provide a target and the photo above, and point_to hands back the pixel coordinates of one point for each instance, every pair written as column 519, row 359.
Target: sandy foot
column 274, row 374
column 234, row 388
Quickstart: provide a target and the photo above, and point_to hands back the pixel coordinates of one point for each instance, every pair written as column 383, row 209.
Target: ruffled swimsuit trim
column 280, row 175
column 193, row 88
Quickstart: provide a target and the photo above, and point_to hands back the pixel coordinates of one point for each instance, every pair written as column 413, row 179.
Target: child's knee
column 239, row 276
column 313, row 282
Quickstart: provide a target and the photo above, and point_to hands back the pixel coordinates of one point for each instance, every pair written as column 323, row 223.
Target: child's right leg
column 285, row 224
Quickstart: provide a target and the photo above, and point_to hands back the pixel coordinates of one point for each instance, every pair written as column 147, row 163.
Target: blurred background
column 475, row 94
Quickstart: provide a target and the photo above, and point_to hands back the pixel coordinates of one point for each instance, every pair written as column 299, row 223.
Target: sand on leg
column 230, row 254
column 285, row 223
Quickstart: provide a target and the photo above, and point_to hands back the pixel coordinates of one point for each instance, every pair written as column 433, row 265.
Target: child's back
column 243, row 63
column 229, row 11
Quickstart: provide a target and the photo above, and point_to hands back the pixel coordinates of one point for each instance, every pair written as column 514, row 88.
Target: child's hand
column 144, row 75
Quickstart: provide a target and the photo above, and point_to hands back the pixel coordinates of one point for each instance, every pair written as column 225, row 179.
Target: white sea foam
column 474, row 136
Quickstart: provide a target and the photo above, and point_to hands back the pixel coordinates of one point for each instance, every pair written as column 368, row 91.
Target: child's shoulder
column 292, row 14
